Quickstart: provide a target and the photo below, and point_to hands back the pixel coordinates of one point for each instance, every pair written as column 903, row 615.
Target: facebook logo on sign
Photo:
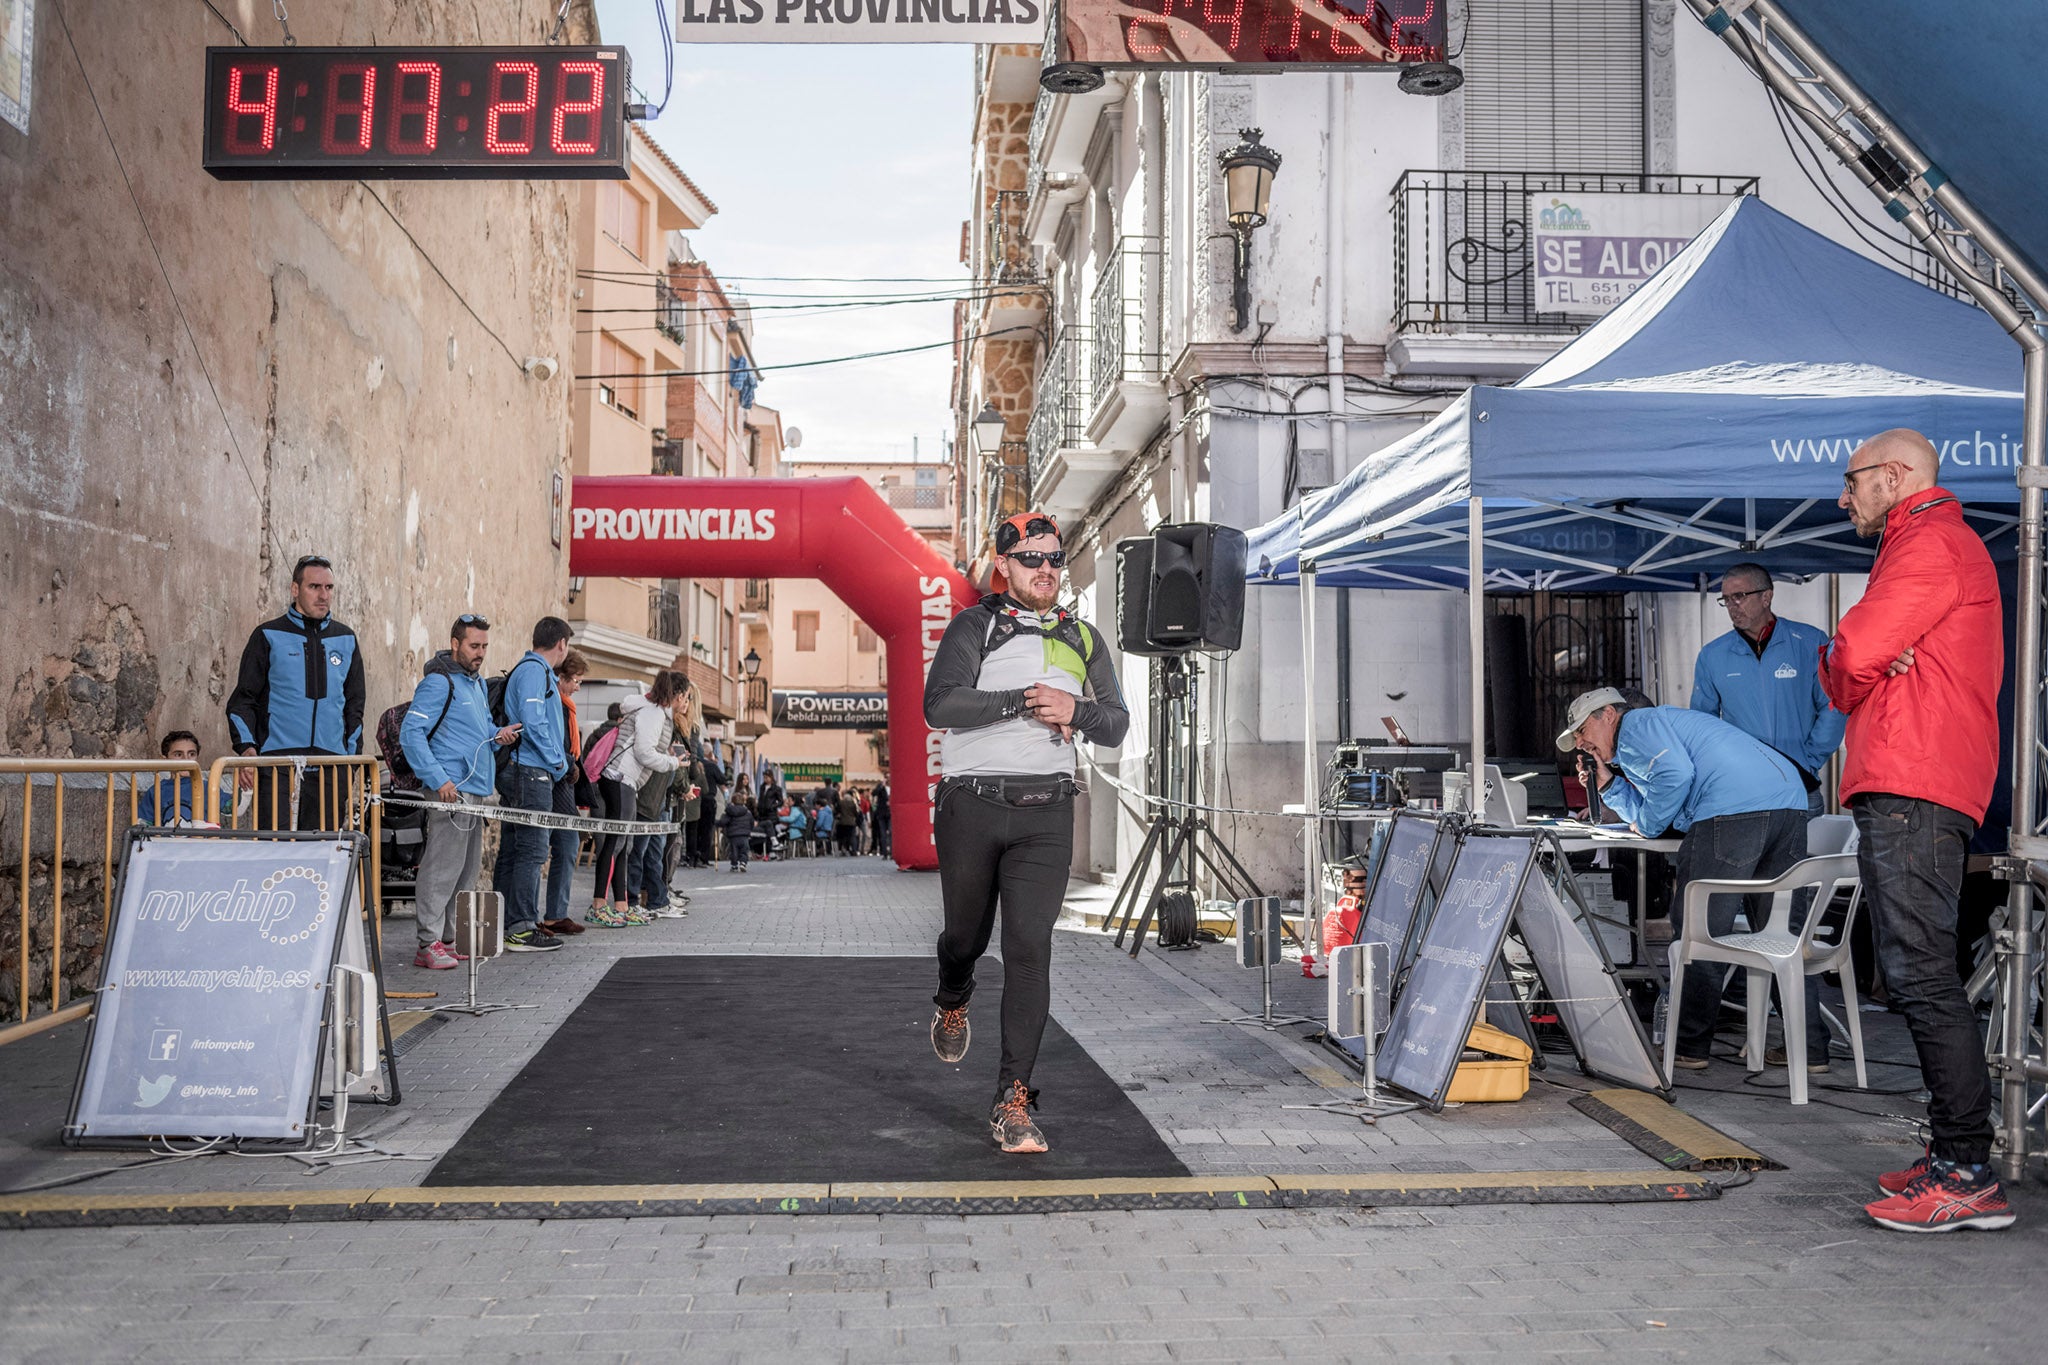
column 163, row 1045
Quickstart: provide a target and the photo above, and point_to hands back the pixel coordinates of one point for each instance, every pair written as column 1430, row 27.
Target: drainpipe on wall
column 1338, row 89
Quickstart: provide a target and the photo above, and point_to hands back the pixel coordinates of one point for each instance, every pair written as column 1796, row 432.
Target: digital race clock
column 450, row 113
column 1280, row 34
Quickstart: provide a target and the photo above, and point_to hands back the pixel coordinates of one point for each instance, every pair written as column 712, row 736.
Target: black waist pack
column 1022, row 792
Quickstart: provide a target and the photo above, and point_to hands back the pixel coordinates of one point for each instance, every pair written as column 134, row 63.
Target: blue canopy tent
column 1707, row 418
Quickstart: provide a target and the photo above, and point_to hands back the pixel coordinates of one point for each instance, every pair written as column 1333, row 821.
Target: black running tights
column 994, row 854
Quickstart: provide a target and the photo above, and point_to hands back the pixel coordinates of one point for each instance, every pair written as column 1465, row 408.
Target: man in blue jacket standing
column 1738, row 802
column 1761, row 677
column 299, row 691
column 533, row 704
column 447, row 736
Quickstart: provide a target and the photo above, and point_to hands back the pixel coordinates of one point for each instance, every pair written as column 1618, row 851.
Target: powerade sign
column 830, row 710
column 215, row 988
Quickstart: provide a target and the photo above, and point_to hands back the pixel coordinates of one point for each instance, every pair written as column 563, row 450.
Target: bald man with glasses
column 1916, row 664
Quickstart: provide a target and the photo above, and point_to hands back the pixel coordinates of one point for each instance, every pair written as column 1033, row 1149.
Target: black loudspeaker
column 1197, row 599
column 1134, row 596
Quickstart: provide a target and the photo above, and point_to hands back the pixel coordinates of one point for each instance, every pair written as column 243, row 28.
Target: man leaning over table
column 1739, row 804
column 1760, row 677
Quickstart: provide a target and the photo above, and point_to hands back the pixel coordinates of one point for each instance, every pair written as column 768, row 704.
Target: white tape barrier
column 539, row 819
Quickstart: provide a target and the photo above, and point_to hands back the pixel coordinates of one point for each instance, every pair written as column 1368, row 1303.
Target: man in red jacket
column 1916, row 665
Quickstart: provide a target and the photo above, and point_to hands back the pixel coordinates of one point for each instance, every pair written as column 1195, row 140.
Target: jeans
column 522, row 848
column 448, row 864
column 1911, row 860
column 563, row 847
column 993, row 853
column 647, row 864
column 1753, row 846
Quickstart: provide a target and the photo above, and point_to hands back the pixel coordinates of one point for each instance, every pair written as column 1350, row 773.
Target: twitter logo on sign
column 150, row 1094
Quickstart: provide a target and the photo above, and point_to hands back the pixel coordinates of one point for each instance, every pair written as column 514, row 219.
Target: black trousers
column 1911, row 857
column 992, row 854
column 1752, row 846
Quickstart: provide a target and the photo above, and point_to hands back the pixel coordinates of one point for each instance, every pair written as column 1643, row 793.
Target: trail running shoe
column 534, row 940
column 435, row 957
column 1947, row 1197
column 636, row 918
column 604, row 917
column 1895, row 1182
column 1009, row 1122
column 673, row 910
column 950, row 1033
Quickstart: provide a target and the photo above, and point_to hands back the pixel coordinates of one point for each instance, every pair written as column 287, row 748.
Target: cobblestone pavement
column 1784, row 1268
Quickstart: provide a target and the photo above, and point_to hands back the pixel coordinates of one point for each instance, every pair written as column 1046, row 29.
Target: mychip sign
column 215, row 988
column 831, row 710
column 1594, row 250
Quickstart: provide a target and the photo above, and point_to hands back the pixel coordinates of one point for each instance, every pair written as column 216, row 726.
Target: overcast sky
column 841, row 161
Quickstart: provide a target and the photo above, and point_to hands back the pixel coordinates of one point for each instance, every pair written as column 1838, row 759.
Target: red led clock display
column 1215, row 34
column 311, row 113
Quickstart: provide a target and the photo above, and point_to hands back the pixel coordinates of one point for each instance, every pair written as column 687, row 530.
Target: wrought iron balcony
column 1125, row 341
column 1008, row 256
column 1057, row 411
column 671, row 311
column 1462, row 251
column 1007, row 490
column 755, row 594
column 665, row 615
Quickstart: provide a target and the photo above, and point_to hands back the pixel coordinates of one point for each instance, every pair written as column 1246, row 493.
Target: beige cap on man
column 1584, row 705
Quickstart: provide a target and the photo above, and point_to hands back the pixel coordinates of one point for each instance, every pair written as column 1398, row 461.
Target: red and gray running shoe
column 1947, row 1198
column 1009, row 1123
column 950, row 1033
column 1895, row 1182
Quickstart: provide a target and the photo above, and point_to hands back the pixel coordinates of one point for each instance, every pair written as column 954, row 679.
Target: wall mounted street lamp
column 989, row 430
column 1248, row 171
column 752, row 663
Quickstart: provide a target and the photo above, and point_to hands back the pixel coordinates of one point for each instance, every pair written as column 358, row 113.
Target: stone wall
column 302, row 374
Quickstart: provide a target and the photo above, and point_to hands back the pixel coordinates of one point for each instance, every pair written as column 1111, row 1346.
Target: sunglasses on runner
column 1031, row 559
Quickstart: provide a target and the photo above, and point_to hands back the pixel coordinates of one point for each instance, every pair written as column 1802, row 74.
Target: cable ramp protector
column 60, row 1209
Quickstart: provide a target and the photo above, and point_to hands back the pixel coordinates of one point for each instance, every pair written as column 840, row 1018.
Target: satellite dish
column 792, row 437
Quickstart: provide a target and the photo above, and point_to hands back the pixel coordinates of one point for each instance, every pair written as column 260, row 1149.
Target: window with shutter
column 1553, row 85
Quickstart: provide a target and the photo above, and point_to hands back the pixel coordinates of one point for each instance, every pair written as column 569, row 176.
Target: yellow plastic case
column 1483, row 1082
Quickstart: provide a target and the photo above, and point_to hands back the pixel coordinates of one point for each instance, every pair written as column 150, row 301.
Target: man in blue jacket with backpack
column 447, row 738
column 533, row 705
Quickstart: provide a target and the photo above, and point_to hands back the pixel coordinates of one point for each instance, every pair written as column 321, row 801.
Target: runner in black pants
column 1015, row 681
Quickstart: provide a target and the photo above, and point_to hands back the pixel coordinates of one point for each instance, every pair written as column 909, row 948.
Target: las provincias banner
column 861, row 21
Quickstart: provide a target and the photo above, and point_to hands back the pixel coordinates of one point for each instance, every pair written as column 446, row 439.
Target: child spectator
column 739, row 833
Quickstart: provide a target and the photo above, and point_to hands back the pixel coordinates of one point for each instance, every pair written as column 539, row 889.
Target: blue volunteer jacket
column 455, row 707
column 532, row 701
column 1675, row 768
column 299, row 690
column 1778, row 697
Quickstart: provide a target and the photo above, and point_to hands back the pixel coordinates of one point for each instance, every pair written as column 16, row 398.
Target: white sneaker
column 670, row 911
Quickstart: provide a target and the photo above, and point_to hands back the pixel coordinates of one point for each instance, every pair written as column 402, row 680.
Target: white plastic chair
column 1827, row 834
column 1775, row 953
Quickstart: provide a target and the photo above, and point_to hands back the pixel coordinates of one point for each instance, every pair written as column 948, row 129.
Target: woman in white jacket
column 645, row 727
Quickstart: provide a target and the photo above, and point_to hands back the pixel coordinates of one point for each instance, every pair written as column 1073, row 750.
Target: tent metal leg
column 1475, row 570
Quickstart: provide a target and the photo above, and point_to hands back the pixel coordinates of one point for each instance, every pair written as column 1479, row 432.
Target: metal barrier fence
column 94, row 802
column 341, row 788
column 40, row 867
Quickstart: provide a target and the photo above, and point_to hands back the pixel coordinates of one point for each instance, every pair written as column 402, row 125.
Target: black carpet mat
column 696, row 1069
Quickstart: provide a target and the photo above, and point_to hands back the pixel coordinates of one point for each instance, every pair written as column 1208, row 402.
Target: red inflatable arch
column 838, row 531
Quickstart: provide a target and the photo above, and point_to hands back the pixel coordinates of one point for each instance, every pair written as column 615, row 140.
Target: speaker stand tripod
column 1178, row 831
column 1369, row 1105
column 485, row 938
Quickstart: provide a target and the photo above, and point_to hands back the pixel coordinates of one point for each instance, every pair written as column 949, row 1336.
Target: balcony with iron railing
column 756, row 594
column 1126, row 364
column 1058, row 407
column 671, row 311
column 665, row 615
column 1008, row 256
column 753, row 719
column 1463, row 255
